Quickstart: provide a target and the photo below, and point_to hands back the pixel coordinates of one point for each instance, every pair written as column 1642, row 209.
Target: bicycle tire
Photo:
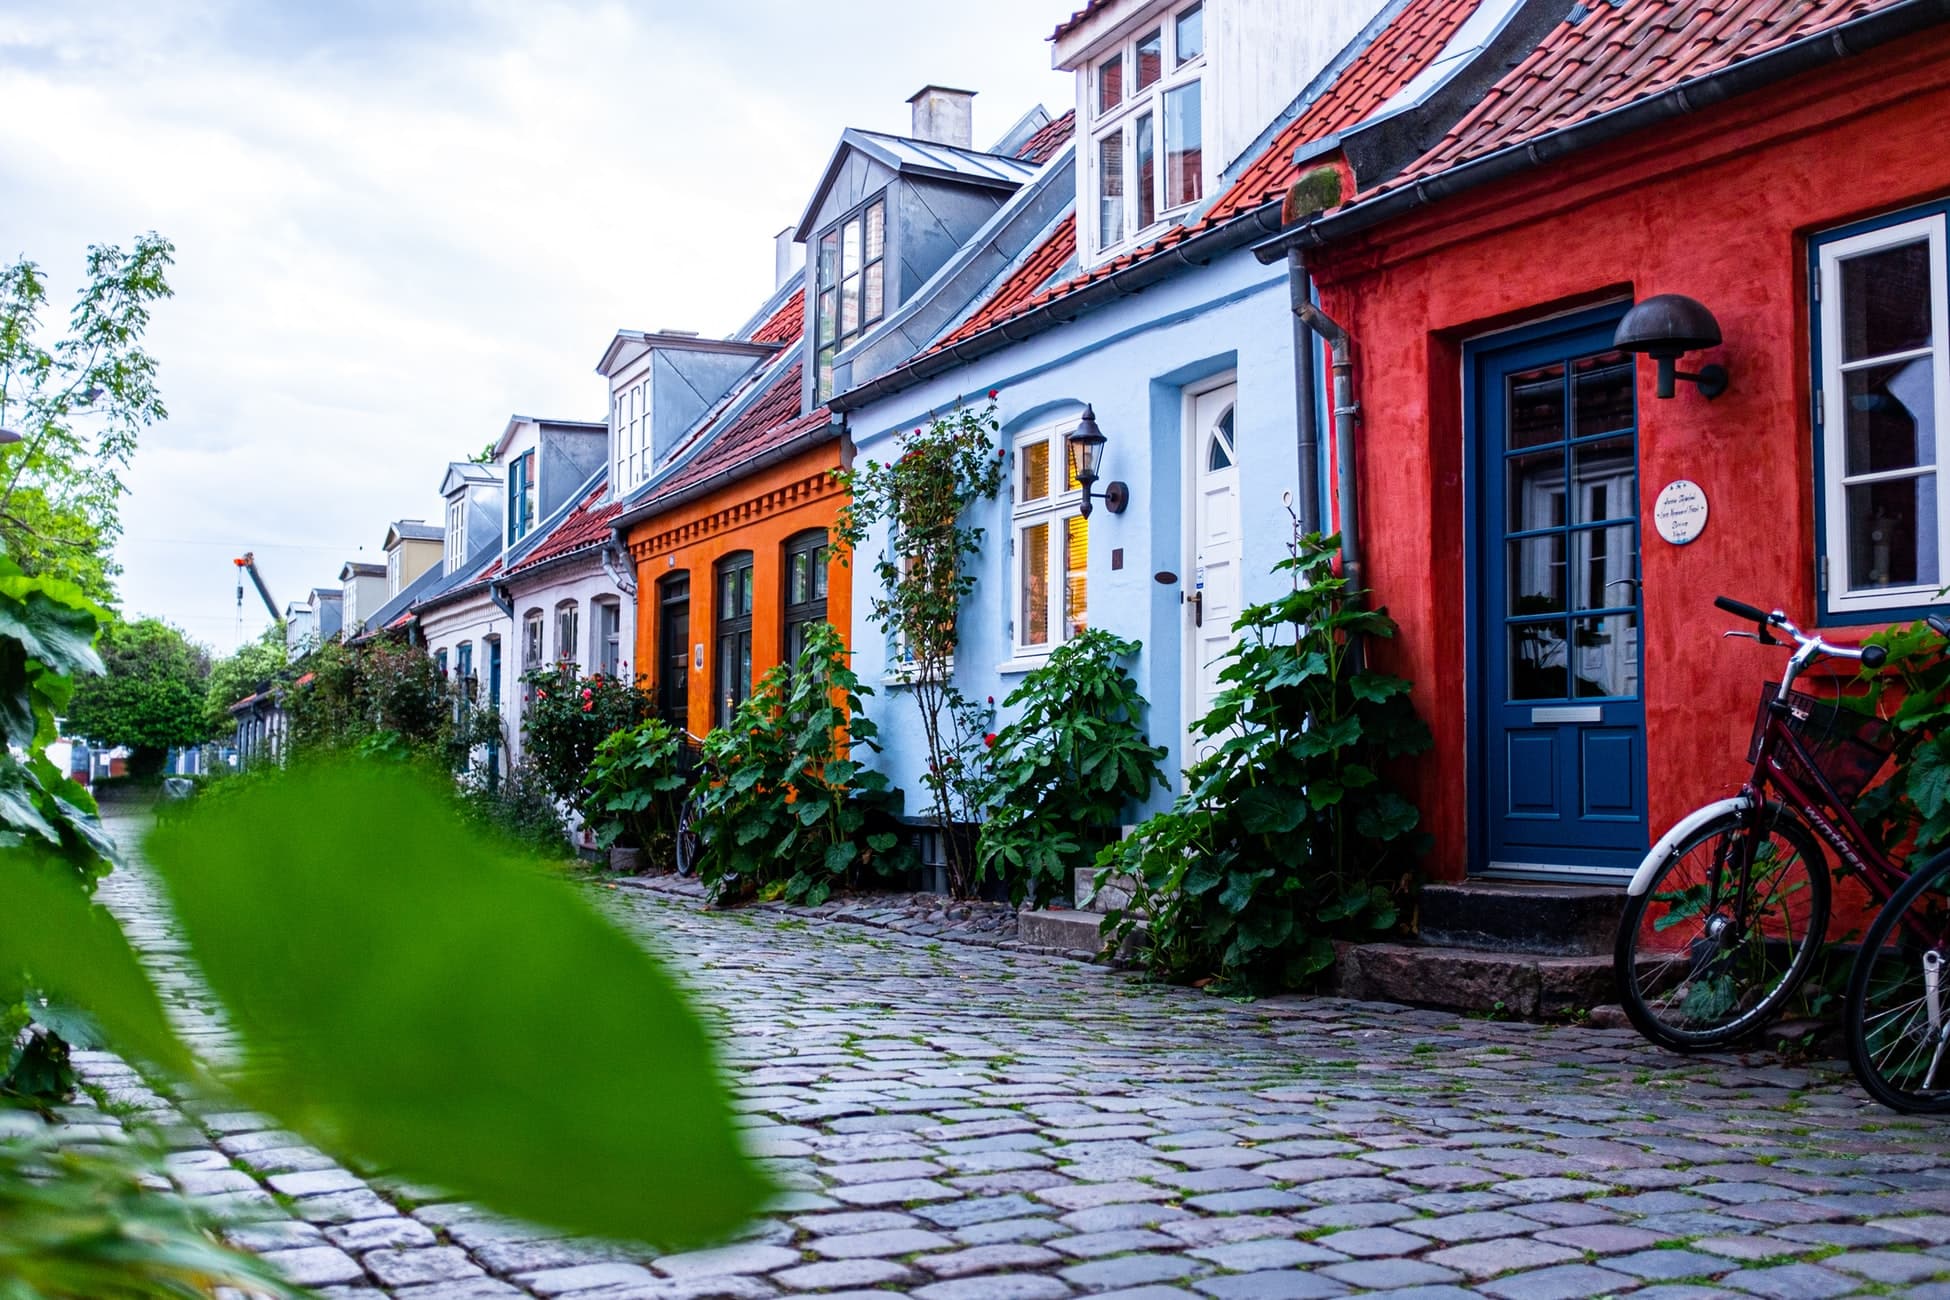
column 1691, row 1013
column 689, row 842
column 1887, row 1039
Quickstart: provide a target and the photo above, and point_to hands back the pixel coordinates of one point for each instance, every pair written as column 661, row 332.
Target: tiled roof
column 786, row 323
column 585, row 527
column 1052, row 136
column 1406, row 46
column 1075, row 20
column 771, row 422
column 1612, row 52
column 1051, row 256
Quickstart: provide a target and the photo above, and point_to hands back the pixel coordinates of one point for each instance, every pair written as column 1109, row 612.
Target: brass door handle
column 1198, row 609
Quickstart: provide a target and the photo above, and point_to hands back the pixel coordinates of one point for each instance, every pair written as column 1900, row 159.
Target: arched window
column 568, row 621
column 734, row 612
column 805, row 588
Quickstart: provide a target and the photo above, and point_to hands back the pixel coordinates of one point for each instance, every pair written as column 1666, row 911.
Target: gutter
column 1199, row 250
column 705, row 487
column 1904, row 19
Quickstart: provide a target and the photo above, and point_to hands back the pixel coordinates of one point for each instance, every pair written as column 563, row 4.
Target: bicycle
column 690, row 816
column 1728, row 911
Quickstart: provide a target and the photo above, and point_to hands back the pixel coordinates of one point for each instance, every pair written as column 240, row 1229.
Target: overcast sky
column 399, row 223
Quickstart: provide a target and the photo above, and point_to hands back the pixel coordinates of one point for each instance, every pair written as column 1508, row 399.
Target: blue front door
column 1558, row 734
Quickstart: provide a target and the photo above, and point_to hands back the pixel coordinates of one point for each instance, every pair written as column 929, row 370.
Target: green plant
column 785, row 807
column 922, row 499
column 254, row 666
column 516, row 807
column 1062, row 774
column 384, row 700
column 567, row 717
column 1287, row 835
column 636, row 787
column 150, row 696
column 1912, row 690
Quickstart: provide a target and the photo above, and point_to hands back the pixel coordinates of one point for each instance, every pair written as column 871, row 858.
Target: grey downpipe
column 614, row 551
column 1345, row 409
column 1303, row 393
column 502, row 600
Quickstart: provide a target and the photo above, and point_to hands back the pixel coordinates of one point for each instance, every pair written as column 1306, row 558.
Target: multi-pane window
column 1884, row 374
column 567, row 623
column 805, row 589
column 674, row 649
column 852, row 287
column 609, row 638
column 1051, row 585
column 734, row 612
column 1147, row 156
column 531, row 652
column 440, row 662
column 392, row 572
column 521, row 496
column 456, row 533
column 630, row 436
column 464, row 673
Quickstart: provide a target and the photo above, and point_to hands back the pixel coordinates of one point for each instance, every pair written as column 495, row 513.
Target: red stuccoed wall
column 1717, row 206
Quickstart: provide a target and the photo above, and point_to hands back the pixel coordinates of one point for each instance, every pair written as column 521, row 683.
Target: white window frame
column 1060, row 504
column 568, row 632
column 392, row 570
column 1122, row 120
column 457, row 533
column 1833, row 408
column 603, row 640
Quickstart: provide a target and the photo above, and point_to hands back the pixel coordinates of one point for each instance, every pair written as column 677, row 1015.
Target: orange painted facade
column 762, row 512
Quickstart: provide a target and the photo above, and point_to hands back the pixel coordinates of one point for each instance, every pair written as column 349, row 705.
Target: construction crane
column 247, row 563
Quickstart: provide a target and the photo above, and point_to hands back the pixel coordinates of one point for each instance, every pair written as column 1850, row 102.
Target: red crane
column 247, row 563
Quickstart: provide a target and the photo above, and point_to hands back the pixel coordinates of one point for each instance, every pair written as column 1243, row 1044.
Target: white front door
column 1212, row 604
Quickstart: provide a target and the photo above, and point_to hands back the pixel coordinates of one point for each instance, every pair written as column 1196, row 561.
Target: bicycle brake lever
column 1751, row 636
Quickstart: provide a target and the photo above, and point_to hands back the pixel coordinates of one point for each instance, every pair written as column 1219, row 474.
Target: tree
column 250, row 668
column 78, row 403
column 152, row 696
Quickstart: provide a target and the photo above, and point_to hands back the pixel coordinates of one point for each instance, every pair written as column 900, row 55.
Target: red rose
column 989, row 740
column 587, row 693
column 541, row 695
column 587, row 707
column 994, row 393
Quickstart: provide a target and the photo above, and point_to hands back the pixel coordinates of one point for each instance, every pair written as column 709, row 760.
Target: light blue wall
column 1132, row 361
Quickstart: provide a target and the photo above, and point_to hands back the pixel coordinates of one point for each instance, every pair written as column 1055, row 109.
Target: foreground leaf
column 419, row 998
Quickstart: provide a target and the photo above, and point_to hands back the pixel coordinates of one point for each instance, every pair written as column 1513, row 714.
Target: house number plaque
column 1680, row 512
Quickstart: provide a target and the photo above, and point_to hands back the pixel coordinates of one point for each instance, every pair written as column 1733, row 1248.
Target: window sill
column 905, row 676
column 1858, row 616
column 1020, row 664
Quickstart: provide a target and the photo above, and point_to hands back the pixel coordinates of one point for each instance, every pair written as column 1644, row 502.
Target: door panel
column 1558, row 720
column 1215, row 547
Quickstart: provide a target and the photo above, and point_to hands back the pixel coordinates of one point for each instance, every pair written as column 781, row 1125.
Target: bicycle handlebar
column 1742, row 609
column 1810, row 647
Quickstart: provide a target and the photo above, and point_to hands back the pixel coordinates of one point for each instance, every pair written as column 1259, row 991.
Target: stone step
column 1519, row 985
column 1115, row 894
column 1062, row 928
column 1539, row 919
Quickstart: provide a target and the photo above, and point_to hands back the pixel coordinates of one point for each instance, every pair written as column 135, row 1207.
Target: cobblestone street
column 958, row 1122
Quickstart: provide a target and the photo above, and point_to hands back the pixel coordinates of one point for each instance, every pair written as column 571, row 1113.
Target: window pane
column 1536, row 401
column 1033, row 616
column 1070, row 480
column 1886, row 301
column 1217, row 455
column 1605, row 655
column 1607, row 562
column 876, row 231
column 825, row 372
column 1537, row 660
column 829, row 259
column 799, row 584
column 1147, row 174
column 1607, row 480
column 875, row 303
column 1534, row 487
column 820, row 562
column 745, row 590
column 1110, row 189
column 1184, row 147
column 1150, row 57
column 1891, row 417
column 1035, row 471
column 1076, row 564
column 1601, row 394
column 1892, row 532
column 849, row 306
column 1188, row 35
column 850, row 247
column 1110, row 83
column 828, row 305
column 1536, row 580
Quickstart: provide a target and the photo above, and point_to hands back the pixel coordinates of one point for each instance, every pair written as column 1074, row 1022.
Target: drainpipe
column 498, row 593
column 1345, row 409
column 1299, row 286
column 613, row 551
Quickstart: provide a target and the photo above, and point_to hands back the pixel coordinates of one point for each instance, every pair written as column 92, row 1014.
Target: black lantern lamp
column 1086, row 454
column 1665, row 327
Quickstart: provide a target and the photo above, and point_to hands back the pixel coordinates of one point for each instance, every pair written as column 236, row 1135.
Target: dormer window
column 456, row 533
column 1146, row 161
column 521, row 496
column 630, row 437
column 392, row 572
column 852, row 286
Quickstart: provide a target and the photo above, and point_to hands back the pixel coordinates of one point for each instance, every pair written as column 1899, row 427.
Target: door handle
column 1198, row 609
column 1636, row 584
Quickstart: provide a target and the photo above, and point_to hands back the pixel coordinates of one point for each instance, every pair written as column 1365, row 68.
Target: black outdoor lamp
column 1666, row 326
column 1086, row 453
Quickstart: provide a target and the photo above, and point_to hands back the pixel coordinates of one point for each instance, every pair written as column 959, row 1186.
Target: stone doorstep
column 1527, row 984
column 1510, row 916
column 1115, row 894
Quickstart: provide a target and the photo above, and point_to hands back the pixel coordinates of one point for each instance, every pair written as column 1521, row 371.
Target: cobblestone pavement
column 960, row 1122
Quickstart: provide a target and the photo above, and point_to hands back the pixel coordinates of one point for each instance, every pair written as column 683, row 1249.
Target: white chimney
column 785, row 258
column 944, row 116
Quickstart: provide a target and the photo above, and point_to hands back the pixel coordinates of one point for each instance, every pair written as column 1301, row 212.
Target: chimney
column 944, row 116
column 785, row 258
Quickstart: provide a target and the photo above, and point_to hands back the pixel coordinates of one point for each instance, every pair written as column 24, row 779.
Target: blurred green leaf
column 413, row 994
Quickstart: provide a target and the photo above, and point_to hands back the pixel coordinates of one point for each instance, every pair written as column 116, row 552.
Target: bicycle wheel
column 1898, row 1012
column 689, row 843
column 1701, row 961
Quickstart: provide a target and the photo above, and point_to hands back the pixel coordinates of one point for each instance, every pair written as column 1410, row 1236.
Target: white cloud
column 397, row 224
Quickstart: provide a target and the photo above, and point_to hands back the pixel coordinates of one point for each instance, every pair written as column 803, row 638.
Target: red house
column 1782, row 162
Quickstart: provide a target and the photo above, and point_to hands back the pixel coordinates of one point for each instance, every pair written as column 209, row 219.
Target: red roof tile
column 770, row 423
column 1390, row 61
column 1613, row 54
column 785, row 324
column 1075, row 20
column 1052, row 136
column 585, row 527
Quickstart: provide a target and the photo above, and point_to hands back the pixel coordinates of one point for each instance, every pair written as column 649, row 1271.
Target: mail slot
column 1567, row 713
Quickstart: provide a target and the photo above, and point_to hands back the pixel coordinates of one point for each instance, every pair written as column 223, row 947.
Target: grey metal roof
column 399, row 604
column 913, row 157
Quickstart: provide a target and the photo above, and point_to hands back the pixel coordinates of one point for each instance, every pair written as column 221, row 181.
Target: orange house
column 733, row 554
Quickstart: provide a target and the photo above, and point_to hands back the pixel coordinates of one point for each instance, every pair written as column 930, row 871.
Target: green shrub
column 384, row 699
column 567, row 717
column 1913, row 691
column 518, row 807
column 1063, row 773
column 1287, row 836
column 786, row 810
column 637, row 786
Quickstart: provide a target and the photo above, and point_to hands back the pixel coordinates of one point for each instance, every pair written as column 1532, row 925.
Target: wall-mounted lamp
column 1666, row 326
column 7, row 436
column 1086, row 454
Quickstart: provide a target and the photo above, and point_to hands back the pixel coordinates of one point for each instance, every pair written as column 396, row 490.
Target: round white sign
column 1680, row 512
